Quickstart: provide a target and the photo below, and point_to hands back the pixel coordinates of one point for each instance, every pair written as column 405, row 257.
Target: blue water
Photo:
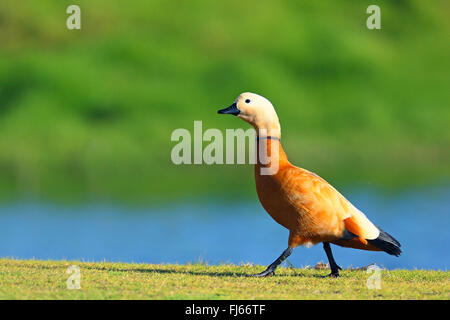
column 219, row 233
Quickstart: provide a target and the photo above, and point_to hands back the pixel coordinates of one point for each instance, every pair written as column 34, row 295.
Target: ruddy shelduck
column 301, row 201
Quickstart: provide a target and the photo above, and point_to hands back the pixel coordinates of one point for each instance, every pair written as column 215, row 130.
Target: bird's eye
column 247, row 100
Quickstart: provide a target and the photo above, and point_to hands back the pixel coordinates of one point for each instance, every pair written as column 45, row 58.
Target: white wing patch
column 368, row 230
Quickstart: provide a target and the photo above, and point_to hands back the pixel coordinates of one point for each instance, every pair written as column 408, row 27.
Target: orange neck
column 270, row 153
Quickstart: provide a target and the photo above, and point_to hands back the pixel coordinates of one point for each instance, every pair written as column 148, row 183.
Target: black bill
column 230, row 110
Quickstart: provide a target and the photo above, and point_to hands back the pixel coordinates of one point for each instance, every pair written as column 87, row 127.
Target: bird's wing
column 329, row 212
column 361, row 226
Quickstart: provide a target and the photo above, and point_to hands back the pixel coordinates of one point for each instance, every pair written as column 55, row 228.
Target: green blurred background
column 87, row 114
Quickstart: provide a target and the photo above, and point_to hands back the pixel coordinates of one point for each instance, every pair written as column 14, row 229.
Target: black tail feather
column 387, row 243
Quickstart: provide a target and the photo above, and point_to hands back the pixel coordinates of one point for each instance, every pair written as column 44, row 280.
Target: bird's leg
column 271, row 269
column 333, row 265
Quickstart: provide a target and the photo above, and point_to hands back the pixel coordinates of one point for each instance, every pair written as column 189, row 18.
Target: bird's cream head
column 256, row 110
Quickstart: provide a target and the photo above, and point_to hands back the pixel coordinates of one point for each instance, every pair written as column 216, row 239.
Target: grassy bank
column 88, row 114
column 31, row 279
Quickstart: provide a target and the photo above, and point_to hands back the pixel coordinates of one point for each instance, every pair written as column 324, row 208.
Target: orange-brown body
column 310, row 208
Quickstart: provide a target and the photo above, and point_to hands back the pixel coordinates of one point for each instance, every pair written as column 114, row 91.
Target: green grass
column 32, row 279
